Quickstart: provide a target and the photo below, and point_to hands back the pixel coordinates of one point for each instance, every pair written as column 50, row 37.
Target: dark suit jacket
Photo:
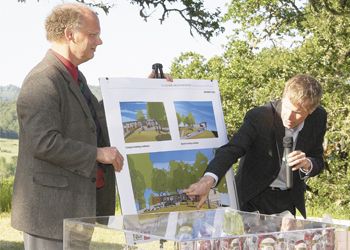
column 55, row 175
column 106, row 196
column 258, row 143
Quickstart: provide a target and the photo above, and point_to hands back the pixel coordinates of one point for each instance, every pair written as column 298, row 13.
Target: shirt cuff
column 307, row 172
column 214, row 176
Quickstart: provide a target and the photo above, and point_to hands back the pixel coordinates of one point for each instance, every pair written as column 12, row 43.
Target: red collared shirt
column 72, row 69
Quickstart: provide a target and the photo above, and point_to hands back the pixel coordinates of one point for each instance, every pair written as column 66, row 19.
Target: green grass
column 10, row 238
column 185, row 130
column 205, row 134
column 341, row 213
column 6, row 186
column 8, row 148
column 148, row 135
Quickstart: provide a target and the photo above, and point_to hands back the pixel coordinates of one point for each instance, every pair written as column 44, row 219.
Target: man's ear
column 68, row 34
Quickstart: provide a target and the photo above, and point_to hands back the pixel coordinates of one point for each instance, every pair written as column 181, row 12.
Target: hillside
column 8, row 114
column 9, row 93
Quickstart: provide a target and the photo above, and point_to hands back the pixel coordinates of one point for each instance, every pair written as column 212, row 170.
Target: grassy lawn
column 102, row 239
column 205, row 134
column 8, row 148
column 148, row 135
column 10, row 238
column 185, row 130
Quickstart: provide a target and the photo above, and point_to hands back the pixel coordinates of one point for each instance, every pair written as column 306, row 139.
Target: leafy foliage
column 9, row 93
column 6, row 185
column 156, row 111
column 7, row 168
column 8, row 121
column 304, row 37
column 205, row 23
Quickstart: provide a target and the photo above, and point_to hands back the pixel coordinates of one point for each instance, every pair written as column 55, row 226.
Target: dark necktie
column 100, row 167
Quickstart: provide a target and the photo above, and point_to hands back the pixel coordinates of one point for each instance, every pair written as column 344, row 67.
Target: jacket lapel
column 73, row 86
column 75, row 89
column 278, row 128
column 303, row 136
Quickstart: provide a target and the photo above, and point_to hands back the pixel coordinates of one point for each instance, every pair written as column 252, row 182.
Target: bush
column 6, row 187
column 249, row 78
column 7, row 167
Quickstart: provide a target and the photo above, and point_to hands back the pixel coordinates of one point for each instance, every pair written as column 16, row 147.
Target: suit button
column 93, row 179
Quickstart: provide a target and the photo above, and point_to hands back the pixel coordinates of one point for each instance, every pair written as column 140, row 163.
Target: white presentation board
column 167, row 133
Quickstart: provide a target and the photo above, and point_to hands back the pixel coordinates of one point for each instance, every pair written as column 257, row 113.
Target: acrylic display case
column 222, row 228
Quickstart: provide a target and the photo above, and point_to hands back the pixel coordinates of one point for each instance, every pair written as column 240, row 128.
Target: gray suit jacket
column 55, row 176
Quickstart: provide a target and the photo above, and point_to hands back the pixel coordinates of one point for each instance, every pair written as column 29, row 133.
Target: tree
column 205, row 23
column 320, row 27
column 138, row 183
column 7, row 168
column 159, row 180
column 156, row 111
column 140, row 116
column 304, row 37
column 181, row 175
column 190, row 120
column 145, row 161
column 179, row 118
column 8, row 122
column 199, row 165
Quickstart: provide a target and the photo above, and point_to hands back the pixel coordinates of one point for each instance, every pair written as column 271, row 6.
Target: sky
column 201, row 111
column 129, row 110
column 130, row 45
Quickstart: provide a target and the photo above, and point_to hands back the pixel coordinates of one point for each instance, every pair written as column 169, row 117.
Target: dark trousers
column 271, row 202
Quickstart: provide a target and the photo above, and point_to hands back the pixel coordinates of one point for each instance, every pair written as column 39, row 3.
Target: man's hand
column 200, row 188
column 110, row 155
column 298, row 160
column 167, row 76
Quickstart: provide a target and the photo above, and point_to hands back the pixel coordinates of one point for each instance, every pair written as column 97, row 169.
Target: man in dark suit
column 260, row 178
column 63, row 139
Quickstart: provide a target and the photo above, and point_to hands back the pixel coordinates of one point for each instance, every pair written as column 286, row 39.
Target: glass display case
column 222, row 228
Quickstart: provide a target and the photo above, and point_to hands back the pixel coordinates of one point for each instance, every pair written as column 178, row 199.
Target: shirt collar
column 297, row 128
column 72, row 69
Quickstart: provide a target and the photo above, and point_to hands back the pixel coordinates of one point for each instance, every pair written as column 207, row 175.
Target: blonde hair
column 303, row 90
column 64, row 16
